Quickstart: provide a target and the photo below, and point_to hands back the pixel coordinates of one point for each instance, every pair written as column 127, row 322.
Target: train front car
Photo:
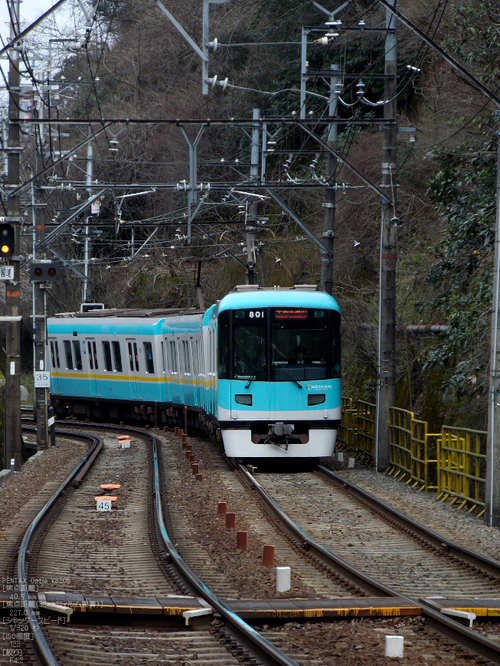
column 279, row 373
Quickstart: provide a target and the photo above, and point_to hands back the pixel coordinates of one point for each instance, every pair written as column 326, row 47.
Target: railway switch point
column 199, row 477
column 195, row 468
column 394, row 646
column 242, row 539
column 222, row 508
column 283, row 579
column 230, row 520
column 268, row 556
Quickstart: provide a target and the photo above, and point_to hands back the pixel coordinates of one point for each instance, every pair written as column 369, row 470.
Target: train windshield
column 279, row 344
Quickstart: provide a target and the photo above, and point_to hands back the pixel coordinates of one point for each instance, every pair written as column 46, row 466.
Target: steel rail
column 444, row 625
column 482, row 562
column 354, row 576
column 39, row 639
column 257, row 645
column 462, row 635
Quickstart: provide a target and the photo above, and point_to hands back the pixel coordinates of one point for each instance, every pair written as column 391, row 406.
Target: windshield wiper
column 291, row 378
column 250, row 381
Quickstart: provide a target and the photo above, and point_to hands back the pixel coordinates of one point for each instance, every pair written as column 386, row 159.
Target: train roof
column 129, row 312
column 305, row 296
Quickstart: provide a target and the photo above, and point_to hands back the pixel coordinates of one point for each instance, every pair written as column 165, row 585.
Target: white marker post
column 283, row 579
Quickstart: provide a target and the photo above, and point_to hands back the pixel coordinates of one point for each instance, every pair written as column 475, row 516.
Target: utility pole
column 386, row 379
column 88, row 219
column 253, row 213
column 492, row 499
column 330, row 204
column 13, row 435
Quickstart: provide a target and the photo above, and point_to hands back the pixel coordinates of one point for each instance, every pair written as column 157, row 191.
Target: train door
column 212, row 377
column 173, row 361
column 93, row 363
column 133, row 365
column 195, row 353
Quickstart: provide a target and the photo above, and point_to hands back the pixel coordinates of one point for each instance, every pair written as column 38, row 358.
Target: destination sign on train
column 290, row 314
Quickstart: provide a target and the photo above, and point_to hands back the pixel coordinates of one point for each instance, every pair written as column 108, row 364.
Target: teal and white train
column 259, row 369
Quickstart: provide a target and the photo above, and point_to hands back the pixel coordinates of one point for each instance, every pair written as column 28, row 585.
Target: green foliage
column 474, row 36
column 460, row 279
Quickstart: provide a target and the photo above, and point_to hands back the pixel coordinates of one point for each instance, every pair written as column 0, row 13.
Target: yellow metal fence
column 452, row 462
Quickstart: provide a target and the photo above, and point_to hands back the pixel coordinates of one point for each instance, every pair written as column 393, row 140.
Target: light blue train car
column 259, row 370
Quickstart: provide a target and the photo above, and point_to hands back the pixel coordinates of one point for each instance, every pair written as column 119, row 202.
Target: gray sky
column 30, row 10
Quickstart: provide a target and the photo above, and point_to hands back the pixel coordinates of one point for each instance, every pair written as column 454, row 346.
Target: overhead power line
column 449, row 59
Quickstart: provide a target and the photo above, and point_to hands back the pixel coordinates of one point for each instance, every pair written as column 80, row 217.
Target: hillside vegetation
column 137, row 65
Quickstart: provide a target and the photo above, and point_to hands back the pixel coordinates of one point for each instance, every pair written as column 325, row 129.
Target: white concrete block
column 283, row 579
column 453, row 612
column 394, row 646
column 340, row 456
column 350, row 465
column 197, row 612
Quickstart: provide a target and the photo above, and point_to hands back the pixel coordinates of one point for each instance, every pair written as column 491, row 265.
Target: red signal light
column 45, row 271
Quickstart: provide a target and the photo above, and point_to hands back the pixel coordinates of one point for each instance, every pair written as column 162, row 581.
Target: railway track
column 313, row 511
column 379, row 541
column 229, row 573
column 120, row 561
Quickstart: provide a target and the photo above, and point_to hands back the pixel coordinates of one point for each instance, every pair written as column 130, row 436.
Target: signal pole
column 13, row 435
column 39, row 326
column 386, row 379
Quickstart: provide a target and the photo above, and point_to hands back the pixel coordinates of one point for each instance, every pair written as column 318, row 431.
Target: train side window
column 108, row 364
column 94, row 353
column 194, row 355
column 54, row 354
column 173, row 356
column 89, row 354
column 68, row 354
column 186, row 357
column 117, row 356
column 148, row 352
column 77, row 354
column 163, row 357
column 133, row 355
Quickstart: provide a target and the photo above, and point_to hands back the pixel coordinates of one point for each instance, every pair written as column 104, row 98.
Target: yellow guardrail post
column 462, row 461
column 451, row 462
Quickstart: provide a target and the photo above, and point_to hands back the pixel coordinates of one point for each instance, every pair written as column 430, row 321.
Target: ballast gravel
column 340, row 642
